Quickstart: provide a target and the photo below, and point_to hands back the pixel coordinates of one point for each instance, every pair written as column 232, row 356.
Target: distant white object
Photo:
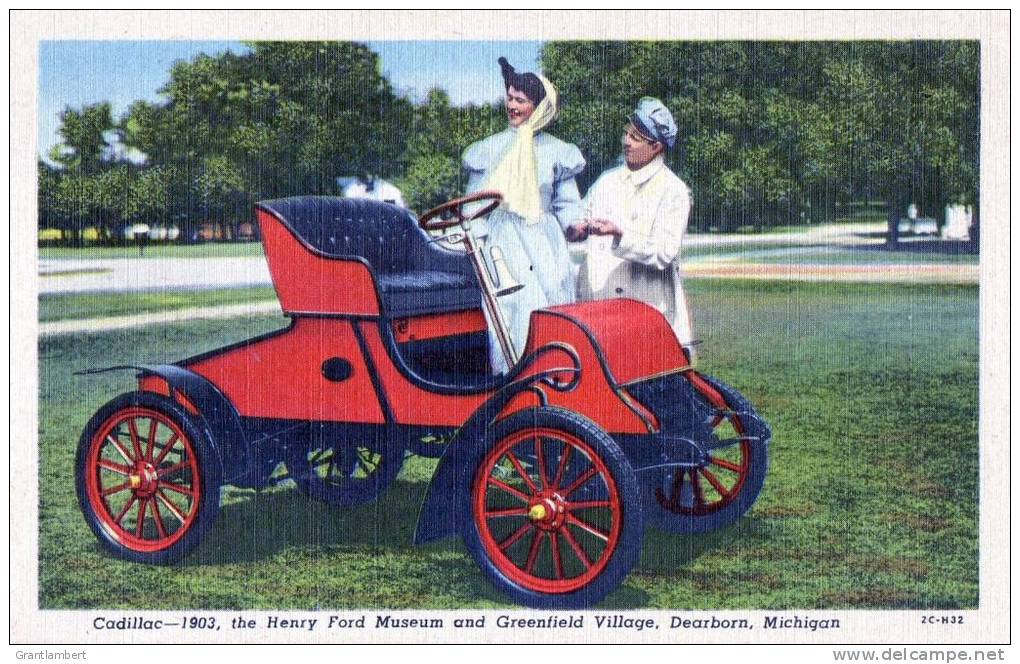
column 918, row 226
column 157, row 233
column 926, row 226
column 376, row 189
column 958, row 220
column 172, row 233
column 132, row 232
column 912, row 212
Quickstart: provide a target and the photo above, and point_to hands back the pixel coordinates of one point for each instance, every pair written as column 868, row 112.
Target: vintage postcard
column 505, row 327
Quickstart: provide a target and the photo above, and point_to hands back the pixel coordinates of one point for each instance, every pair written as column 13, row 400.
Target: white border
column 988, row 624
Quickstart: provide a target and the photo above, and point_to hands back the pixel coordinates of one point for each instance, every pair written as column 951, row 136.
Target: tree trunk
column 975, row 231
column 893, row 235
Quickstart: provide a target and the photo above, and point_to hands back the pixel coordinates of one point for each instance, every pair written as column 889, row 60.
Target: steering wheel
column 436, row 218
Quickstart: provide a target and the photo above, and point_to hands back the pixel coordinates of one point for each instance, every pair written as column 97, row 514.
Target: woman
column 535, row 173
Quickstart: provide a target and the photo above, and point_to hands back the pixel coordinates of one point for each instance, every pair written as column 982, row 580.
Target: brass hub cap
column 548, row 511
column 144, row 480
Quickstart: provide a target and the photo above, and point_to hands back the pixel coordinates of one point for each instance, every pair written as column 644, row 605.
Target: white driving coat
column 651, row 206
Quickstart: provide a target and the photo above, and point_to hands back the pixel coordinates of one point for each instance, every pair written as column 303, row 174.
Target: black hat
column 527, row 83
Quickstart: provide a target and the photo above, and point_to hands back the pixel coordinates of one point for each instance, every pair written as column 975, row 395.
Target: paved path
column 832, row 234
column 924, row 273
column 141, row 274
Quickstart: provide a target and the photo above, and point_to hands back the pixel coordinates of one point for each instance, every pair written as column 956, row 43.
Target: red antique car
column 549, row 473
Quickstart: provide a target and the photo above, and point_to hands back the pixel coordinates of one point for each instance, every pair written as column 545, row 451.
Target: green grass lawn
column 203, row 250
column 870, row 501
column 73, row 306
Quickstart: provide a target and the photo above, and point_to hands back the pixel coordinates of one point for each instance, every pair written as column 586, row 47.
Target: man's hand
column 604, row 227
column 577, row 232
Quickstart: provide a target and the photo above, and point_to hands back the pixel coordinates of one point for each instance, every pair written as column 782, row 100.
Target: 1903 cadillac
column 549, row 473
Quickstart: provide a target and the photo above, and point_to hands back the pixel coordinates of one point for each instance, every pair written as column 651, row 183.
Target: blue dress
column 537, row 254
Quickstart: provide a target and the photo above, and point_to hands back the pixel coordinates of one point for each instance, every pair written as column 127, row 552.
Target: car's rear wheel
column 148, row 479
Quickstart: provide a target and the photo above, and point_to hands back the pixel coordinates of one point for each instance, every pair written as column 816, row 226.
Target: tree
column 85, row 135
column 776, row 132
column 438, row 136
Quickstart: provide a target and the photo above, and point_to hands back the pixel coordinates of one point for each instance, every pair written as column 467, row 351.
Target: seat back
column 385, row 235
column 331, row 255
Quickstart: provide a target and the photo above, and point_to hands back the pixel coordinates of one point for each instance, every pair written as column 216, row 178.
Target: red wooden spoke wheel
column 710, row 487
column 555, row 510
column 714, row 494
column 143, row 482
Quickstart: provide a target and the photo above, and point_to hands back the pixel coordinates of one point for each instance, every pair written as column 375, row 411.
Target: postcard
column 510, row 327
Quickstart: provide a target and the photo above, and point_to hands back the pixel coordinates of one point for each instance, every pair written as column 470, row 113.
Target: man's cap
column 653, row 119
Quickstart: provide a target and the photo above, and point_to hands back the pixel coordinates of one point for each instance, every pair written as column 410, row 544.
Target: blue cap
column 653, row 119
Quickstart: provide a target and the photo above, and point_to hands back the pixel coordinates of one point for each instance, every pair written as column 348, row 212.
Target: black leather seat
column 414, row 276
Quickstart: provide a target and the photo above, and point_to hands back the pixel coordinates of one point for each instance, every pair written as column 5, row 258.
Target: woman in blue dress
column 535, row 173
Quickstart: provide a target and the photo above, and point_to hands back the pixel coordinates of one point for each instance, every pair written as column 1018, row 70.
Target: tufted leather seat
column 414, row 276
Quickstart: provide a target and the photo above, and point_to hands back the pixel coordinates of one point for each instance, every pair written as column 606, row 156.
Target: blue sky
column 76, row 73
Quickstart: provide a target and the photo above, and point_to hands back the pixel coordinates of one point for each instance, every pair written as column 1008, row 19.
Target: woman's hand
column 604, row 227
column 577, row 232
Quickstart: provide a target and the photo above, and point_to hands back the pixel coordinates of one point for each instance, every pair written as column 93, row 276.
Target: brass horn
column 502, row 279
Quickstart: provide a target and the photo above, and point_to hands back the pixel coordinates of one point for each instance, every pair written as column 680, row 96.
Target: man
column 636, row 215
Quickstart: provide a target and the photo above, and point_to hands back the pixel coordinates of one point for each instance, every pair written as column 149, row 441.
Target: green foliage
column 439, row 135
column 85, row 135
column 771, row 133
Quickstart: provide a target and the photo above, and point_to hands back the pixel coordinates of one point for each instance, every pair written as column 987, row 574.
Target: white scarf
column 516, row 176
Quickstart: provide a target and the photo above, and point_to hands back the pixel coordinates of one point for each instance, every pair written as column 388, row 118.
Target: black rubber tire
column 209, row 468
column 628, row 547
column 671, row 522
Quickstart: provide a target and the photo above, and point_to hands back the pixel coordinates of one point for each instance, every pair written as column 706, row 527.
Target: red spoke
column 540, row 454
column 715, row 421
column 140, row 526
column 564, row 460
column 509, row 489
column 117, row 446
column 158, row 518
column 556, row 556
column 536, row 544
column 520, row 471
column 699, row 498
column 518, row 534
column 116, row 489
column 178, row 489
column 115, row 467
column 587, row 527
column 716, row 484
column 152, row 439
column 728, row 465
column 166, row 450
column 117, row 519
column 578, row 551
column 174, row 468
column 170, row 506
column 587, row 504
column 135, row 443
column 517, row 511
column 579, row 482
